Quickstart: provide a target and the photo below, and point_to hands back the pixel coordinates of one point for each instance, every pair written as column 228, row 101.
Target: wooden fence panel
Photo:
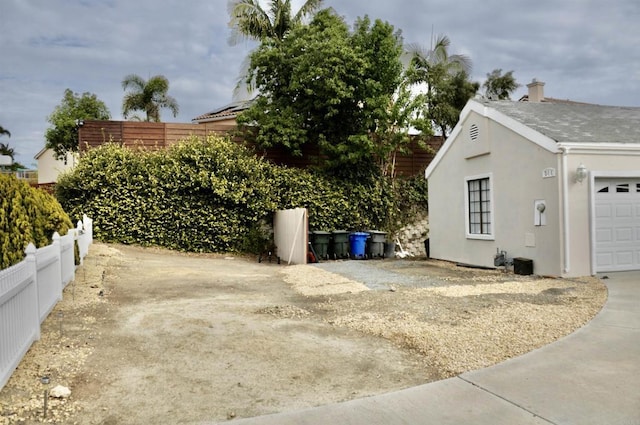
column 95, row 133
column 150, row 135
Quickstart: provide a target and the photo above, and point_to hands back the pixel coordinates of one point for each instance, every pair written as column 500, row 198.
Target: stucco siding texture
column 515, row 166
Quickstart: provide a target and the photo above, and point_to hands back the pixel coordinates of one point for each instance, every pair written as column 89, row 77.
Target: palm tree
column 5, row 149
column 148, row 96
column 250, row 21
column 423, row 61
column 444, row 76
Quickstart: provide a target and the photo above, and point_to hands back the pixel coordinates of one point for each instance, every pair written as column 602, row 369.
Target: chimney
column 536, row 90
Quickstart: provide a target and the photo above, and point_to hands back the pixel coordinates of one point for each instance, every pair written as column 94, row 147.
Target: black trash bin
column 320, row 243
column 340, row 244
column 375, row 244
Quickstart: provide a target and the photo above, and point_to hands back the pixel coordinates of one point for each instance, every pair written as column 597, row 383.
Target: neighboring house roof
column 575, row 122
column 232, row 110
column 41, row 152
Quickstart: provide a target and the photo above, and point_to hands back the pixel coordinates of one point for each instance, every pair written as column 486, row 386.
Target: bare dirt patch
column 153, row 336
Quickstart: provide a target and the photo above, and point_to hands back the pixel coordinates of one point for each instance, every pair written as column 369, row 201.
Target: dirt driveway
column 153, row 336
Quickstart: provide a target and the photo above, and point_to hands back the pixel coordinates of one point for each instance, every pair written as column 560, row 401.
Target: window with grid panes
column 479, row 206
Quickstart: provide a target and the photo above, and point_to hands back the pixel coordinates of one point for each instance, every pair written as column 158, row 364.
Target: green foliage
column 209, row 195
column 26, row 215
column 500, row 86
column 325, row 85
column 446, row 77
column 63, row 136
column 410, row 198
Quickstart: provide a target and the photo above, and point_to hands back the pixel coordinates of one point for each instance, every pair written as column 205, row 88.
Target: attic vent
column 474, row 132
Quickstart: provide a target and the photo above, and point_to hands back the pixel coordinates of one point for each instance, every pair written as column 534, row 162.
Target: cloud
column 583, row 49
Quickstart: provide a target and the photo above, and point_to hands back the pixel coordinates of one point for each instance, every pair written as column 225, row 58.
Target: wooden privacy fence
column 161, row 135
column 30, row 289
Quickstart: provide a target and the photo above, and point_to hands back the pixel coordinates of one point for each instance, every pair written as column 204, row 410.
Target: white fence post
column 58, row 249
column 87, row 223
column 83, row 248
column 33, row 269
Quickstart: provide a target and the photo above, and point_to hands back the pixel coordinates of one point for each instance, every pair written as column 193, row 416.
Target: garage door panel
column 603, row 211
column 623, row 211
column 624, row 258
column 624, row 234
column 604, row 235
column 617, row 225
column 604, row 260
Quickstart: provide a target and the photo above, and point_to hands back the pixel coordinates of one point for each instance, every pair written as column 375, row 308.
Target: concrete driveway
column 590, row 377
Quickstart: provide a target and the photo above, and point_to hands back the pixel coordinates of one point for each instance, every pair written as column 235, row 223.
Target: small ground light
column 60, row 315
column 45, row 381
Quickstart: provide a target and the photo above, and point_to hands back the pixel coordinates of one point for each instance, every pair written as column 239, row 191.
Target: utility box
column 523, row 266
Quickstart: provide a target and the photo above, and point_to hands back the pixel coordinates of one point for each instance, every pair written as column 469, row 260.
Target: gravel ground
column 188, row 338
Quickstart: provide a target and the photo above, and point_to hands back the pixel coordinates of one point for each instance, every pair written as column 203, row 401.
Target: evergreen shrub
column 27, row 215
column 206, row 195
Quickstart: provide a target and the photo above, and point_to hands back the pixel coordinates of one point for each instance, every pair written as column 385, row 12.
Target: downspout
column 565, row 211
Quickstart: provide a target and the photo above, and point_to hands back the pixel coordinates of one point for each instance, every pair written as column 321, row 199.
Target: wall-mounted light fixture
column 581, row 173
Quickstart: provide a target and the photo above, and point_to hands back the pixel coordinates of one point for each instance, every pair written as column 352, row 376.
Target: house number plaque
column 548, row 173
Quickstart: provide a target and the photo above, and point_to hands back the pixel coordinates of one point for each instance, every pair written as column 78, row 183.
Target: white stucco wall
column 49, row 167
column 516, row 167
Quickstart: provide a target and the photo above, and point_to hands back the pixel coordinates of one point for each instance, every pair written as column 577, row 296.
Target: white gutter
column 565, row 211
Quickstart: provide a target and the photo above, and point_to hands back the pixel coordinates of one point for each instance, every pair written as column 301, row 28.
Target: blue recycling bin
column 357, row 245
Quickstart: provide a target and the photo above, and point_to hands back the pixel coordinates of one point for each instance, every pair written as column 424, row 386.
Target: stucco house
column 555, row 182
column 50, row 167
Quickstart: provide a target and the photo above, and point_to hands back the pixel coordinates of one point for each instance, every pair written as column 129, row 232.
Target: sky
column 583, row 50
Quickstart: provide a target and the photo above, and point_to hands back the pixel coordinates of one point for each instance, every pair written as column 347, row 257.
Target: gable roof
column 573, row 122
column 225, row 112
column 552, row 124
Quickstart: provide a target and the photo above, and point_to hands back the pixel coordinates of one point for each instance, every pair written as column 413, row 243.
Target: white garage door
column 617, row 208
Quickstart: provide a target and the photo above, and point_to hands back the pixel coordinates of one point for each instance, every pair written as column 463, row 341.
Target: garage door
column 617, row 209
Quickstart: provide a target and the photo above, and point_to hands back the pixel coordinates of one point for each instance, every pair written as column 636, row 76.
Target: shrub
column 27, row 215
column 207, row 195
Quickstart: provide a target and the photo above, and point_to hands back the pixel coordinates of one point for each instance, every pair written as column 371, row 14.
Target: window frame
column 492, row 206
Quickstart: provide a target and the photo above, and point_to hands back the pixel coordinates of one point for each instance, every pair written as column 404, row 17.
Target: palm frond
column 247, row 21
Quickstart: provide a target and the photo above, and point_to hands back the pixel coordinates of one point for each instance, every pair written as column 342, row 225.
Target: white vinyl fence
column 30, row 289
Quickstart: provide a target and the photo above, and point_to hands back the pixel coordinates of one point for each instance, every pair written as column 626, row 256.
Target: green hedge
column 27, row 215
column 206, row 195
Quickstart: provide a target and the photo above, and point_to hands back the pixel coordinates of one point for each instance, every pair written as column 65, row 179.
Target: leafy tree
column 447, row 97
column 500, row 86
column 4, row 132
column 148, row 96
column 392, row 135
column 63, row 136
column 325, row 86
